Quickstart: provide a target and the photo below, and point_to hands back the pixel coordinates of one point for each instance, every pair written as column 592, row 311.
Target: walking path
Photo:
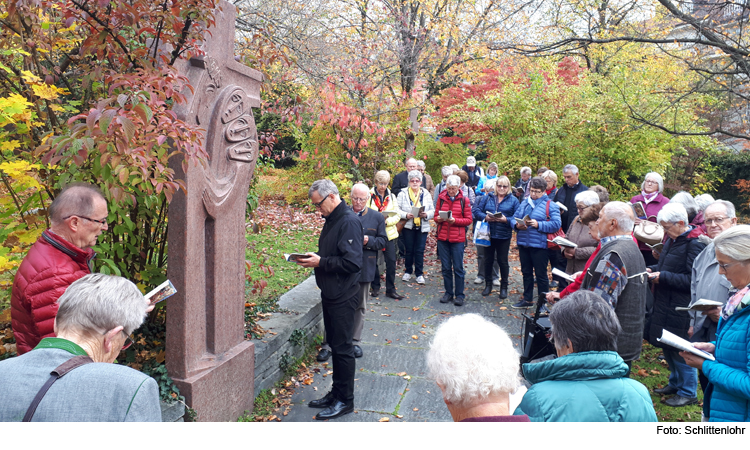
column 391, row 379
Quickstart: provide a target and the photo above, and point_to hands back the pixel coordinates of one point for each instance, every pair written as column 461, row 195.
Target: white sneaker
column 420, row 279
column 407, row 277
column 496, row 282
column 478, row 280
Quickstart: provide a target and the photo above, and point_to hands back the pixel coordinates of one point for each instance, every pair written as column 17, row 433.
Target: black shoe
column 337, row 409
column 459, row 301
column 666, row 390
column 374, row 292
column 660, row 357
column 323, row 355
column 553, row 284
column 679, row 400
column 357, row 351
column 446, row 298
column 503, row 293
column 523, row 304
column 395, row 295
column 487, row 290
column 324, row 402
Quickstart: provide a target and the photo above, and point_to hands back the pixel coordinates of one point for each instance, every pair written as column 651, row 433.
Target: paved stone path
column 391, row 379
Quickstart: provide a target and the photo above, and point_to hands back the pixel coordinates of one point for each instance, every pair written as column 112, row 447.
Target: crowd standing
column 631, row 264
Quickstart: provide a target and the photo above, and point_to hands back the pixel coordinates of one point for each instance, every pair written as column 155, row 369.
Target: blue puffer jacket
column 730, row 373
column 533, row 237
column 584, row 387
column 507, row 206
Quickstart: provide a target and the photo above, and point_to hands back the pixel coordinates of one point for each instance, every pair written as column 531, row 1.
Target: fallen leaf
column 415, row 409
column 384, row 419
column 642, row 373
column 414, row 336
column 401, row 374
column 503, row 308
column 416, row 308
column 399, row 416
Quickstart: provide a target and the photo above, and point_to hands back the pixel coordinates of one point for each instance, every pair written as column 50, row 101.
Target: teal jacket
column 584, row 387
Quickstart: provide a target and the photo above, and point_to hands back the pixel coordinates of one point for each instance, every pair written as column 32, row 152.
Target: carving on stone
column 214, row 74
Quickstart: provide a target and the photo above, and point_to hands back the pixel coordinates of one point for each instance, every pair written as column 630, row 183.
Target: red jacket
column 51, row 265
column 455, row 232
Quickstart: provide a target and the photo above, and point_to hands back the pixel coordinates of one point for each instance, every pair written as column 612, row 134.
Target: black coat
column 400, row 182
column 340, row 251
column 675, row 268
column 373, row 226
column 567, row 196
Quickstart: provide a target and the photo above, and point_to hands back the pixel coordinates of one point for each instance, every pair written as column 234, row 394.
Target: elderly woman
column 498, row 200
column 95, row 318
column 451, row 239
column 535, row 217
column 653, row 201
column 551, row 178
column 491, row 175
column 727, row 397
column 694, row 212
column 671, row 281
column 588, row 381
column 416, row 228
column 523, row 183
column 579, row 234
column 383, row 201
column 475, row 365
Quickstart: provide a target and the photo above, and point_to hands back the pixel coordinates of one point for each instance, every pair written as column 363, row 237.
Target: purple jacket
column 652, row 209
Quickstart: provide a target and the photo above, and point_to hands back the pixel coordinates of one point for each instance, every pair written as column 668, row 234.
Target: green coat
column 584, row 387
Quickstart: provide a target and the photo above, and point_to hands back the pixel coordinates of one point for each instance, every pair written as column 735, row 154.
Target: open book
column 497, row 215
column 518, row 190
column 562, row 274
column 700, row 305
column 415, row 211
column 677, row 342
column 658, row 246
column 293, row 257
column 639, row 210
column 562, row 207
column 161, row 292
column 562, row 242
column 445, row 215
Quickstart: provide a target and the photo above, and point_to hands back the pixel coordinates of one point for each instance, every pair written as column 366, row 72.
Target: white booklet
column 563, row 207
column 293, row 257
column 161, row 292
column 497, row 215
column 677, row 342
column 561, row 241
column 701, row 305
column 562, row 274
column 415, row 211
column 445, row 215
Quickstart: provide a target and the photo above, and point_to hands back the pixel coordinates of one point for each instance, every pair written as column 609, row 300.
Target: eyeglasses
column 359, row 200
column 726, row 266
column 128, row 341
column 715, row 221
column 535, row 191
column 317, row 205
column 503, row 186
column 650, row 182
column 414, row 180
column 102, row 222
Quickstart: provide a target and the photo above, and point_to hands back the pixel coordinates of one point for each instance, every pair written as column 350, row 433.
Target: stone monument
column 207, row 355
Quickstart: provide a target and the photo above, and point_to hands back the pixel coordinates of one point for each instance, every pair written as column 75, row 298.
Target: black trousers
column 559, row 262
column 533, row 263
column 497, row 251
column 390, row 269
column 338, row 318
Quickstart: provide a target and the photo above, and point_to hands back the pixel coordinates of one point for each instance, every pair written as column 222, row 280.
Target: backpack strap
column 548, row 202
column 56, row 374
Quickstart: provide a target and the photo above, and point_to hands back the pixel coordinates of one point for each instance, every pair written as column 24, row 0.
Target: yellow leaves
column 9, row 145
column 30, row 78
column 18, row 171
column 6, row 265
column 48, row 91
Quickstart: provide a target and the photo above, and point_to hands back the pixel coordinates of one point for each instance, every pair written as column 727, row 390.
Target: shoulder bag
column 551, row 236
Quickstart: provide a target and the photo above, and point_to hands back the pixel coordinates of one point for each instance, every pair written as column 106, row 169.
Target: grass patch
column 654, row 373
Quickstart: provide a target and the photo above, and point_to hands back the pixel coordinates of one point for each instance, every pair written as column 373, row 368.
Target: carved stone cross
column 207, row 355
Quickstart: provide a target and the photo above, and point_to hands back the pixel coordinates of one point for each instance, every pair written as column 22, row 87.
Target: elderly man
column 474, row 172
column 523, row 184
column 337, row 267
column 401, row 180
column 375, row 238
column 706, row 282
column 475, row 365
column 567, row 195
column 59, row 257
column 96, row 314
column 618, row 275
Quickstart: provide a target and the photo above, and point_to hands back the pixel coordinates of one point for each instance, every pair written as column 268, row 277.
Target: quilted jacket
column 489, row 203
column 584, row 387
column 391, row 204
column 533, row 237
column 51, row 265
column 730, row 373
column 404, row 206
column 457, row 231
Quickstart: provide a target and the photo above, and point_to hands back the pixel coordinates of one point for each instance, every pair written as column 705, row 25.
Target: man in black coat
column 401, row 179
column 567, row 195
column 337, row 267
column 373, row 227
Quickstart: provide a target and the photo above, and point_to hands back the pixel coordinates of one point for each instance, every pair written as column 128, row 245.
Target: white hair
column 672, row 213
column 570, row 168
column 446, row 171
column 421, row 164
column 622, row 212
column 454, row 167
column 415, row 174
column 658, row 178
column 703, row 201
column 491, row 183
column 588, row 198
column 472, row 359
column 734, row 242
column 728, row 206
column 453, row 180
column 324, row 188
column 362, row 187
column 686, row 200
column 525, row 170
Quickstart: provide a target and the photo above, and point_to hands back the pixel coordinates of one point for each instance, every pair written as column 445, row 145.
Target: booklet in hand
column 562, row 275
column 639, row 210
column 701, row 305
column 658, row 246
column 497, row 215
column 445, row 215
column 293, row 257
column 562, row 242
column 416, row 211
column 562, row 207
column 161, row 292
column 677, row 342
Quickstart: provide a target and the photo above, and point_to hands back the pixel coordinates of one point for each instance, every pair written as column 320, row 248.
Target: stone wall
column 294, row 328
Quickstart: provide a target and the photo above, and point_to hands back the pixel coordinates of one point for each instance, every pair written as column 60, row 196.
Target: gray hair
column 98, row 303
column 729, row 206
column 587, row 321
column 446, row 171
column 672, row 213
column 324, row 188
column 454, row 167
column 415, row 174
column 686, row 200
column 421, row 164
column 658, row 178
column 453, row 180
column 587, row 197
column 382, row 176
column 538, row 183
column 75, row 199
column 491, row 183
column 622, row 212
column 411, row 158
column 551, row 175
column 704, row 200
column 525, row 170
column 472, row 359
column 601, row 191
column 570, row 168
column 361, row 186
column 734, row 242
